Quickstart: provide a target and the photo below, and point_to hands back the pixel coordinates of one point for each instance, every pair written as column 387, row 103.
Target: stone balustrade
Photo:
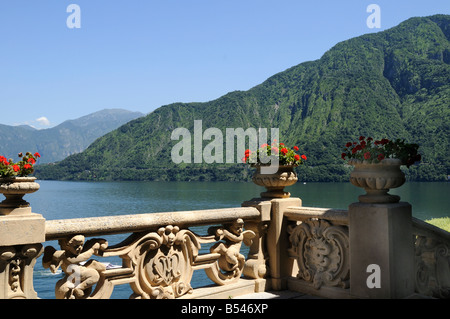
column 368, row 251
column 158, row 258
column 432, row 259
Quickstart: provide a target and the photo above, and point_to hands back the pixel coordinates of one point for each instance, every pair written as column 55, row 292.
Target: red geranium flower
column 16, row 168
column 377, row 150
column 286, row 155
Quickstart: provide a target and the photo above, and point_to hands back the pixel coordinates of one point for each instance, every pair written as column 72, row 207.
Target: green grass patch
column 443, row 223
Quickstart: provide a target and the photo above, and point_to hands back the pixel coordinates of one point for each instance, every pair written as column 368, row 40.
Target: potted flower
column 281, row 160
column 377, row 166
column 15, row 183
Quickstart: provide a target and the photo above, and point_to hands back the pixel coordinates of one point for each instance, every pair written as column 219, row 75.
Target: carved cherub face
column 169, row 234
column 74, row 245
column 237, row 227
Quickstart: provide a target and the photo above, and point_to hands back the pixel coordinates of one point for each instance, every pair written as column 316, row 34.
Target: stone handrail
column 303, row 213
column 422, row 228
column 119, row 224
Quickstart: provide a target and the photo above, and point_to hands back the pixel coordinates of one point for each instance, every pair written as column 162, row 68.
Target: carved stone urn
column 377, row 179
column 14, row 189
column 275, row 182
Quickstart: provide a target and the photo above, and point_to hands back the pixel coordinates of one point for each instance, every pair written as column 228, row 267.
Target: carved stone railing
column 160, row 255
column 316, row 251
column 319, row 243
column 432, row 260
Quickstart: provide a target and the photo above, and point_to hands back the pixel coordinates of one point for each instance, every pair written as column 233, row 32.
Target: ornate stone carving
column 162, row 263
column 432, row 267
column 321, row 250
column 81, row 274
column 231, row 262
column 157, row 265
column 16, row 270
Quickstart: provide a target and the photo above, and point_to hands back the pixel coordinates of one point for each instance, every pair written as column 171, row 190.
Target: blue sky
column 142, row 54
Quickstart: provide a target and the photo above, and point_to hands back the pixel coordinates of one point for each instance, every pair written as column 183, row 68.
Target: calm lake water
column 62, row 200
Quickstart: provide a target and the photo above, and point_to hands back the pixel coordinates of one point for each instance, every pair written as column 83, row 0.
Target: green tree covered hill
column 393, row 84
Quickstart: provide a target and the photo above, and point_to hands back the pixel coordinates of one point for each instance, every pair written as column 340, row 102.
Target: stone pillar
column 255, row 265
column 280, row 264
column 276, row 244
column 381, row 250
column 21, row 236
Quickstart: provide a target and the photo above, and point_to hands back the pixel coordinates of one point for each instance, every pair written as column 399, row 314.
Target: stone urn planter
column 276, row 182
column 377, row 179
column 14, row 189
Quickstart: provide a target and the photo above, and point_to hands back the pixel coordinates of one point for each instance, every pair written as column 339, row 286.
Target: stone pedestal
column 381, row 250
column 22, row 233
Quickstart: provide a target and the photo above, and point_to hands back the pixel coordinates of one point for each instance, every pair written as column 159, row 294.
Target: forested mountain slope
column 393, row 84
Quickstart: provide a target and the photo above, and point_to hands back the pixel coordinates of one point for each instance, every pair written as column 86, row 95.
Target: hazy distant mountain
column 393, row 84
column 70, row 137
